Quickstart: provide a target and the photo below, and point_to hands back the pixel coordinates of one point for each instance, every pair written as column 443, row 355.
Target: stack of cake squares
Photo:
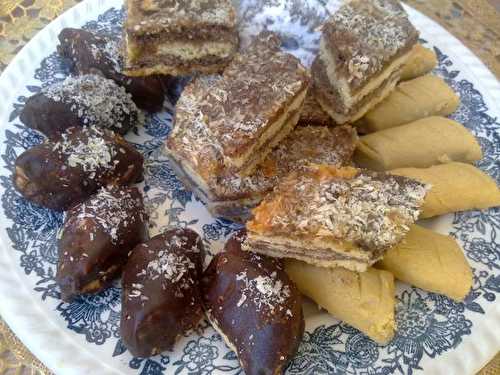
column 235, row 143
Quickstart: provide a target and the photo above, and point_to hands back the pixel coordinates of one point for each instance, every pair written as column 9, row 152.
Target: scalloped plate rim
column 83, row 361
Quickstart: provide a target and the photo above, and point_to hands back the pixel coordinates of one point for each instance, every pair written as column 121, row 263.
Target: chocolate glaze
column 48, row 116
column 93, row 248
column 266, row 333
column 44, row 176
column 87, row 52
column 161, row 297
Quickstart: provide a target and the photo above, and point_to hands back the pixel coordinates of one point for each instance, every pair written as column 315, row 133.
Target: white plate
column 435, row 334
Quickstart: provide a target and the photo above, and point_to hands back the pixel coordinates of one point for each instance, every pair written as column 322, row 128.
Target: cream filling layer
column 317, row 245
column 271, row 131
column 340, row 118
column 262, row 153
column 197, row 50
column 352, row 265
column 342, row 83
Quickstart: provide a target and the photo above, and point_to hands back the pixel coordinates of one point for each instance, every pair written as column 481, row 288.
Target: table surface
column 475, row 22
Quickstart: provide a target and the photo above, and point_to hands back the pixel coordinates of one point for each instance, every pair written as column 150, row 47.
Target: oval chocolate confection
column 81, row 101
column 257, row 309
column 59, row 174
column 88, row 52
column 96, row 238
column 161, row 297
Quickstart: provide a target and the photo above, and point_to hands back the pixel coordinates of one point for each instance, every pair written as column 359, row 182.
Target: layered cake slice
column 330, row 216
column 242, row 114
column 179, row 37
column 363, row 48
column 231, row 196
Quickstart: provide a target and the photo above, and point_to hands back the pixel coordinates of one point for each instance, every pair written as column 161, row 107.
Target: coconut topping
column 108, row 50
column 91, row 152
column 370, row 209
column 110, row 208
column 266, row 292
column 95, row 99
column 170, row 266
column 365, row 34
column 229, row 113
column 147, row 17
column 171, row 269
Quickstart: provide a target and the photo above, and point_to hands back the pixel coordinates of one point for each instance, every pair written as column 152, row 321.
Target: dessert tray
column 435, row 335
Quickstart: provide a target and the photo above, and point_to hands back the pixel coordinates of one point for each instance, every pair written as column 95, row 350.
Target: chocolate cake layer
column 312, row 113
column 284, row 247
column 176, row 67
column 149, row 52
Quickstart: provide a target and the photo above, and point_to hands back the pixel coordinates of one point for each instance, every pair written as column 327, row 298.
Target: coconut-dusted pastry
column 313, row 114
column 242, row 114
column 96, row 238
column 161, row 297
column 252, row 303
column 363, row 49
column 93, row 53
column 81, row 101
column 421, row 61
column 430, row 261
column 419, row 144
column 455, row 187
column 364, row 300
column 59, row 174
column 411, row 100
column 230, row 196
column 179, row 37
column 331, row 217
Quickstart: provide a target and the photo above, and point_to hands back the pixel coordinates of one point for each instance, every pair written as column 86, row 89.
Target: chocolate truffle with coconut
column 161, row 297
column 257, row 309
column 96, row 238
column 59, row 174
column 87, row 100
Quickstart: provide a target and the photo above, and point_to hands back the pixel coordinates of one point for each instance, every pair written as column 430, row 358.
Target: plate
column 435, row 334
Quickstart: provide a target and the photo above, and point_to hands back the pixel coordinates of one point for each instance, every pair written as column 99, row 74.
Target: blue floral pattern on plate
column 428, row 324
